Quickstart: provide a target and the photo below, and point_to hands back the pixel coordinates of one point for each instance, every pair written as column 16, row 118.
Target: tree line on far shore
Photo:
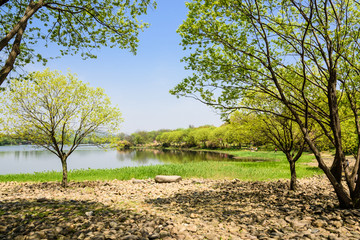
column 243, row 130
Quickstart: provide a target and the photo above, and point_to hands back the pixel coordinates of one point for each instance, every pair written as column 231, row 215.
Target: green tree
column 285, row 135
column 54, row 111
column 75, row 26
column 302, row 54
column 164, row 138
column 176, row 137
column 189, row 138
column 7, row 140
column 201, row 135
column 139, row 137
column 248, row 127
column 279, row 129
column 218, row 136
column 233, row 136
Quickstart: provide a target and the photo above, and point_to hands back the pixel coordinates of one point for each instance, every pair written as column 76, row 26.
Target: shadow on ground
column 52, row 219
column 257, row 203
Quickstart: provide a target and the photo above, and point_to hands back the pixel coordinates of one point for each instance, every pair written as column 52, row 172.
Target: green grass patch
column 253, row 171
column 277, row 156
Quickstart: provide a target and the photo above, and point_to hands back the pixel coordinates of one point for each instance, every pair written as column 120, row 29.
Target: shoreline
column 261, row 166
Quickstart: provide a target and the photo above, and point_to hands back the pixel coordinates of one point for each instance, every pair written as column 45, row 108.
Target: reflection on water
column 169, row 156
column 29, row 159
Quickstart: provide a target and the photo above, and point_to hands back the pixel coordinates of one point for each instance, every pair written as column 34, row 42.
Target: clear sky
column 140, row 84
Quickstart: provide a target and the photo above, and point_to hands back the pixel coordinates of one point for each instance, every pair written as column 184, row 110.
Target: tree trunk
column 18, row 32
column 292, row 162
column 356, row 200
column 64, row 181
column 345, row 201
column 293, row 175
column 336, row 167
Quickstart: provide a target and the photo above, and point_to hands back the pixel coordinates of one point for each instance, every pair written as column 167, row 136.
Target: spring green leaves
column 53, row 110
column 75, row 27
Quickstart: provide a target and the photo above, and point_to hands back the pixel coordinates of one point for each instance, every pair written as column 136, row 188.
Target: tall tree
column 302, row 54
column 54, row 111
column 75, row 26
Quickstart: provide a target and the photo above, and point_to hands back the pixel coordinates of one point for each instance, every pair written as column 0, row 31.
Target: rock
column 2, row 228
column 191, row 228
column 333, row 237
column 154, row 236
column 211, row 236
column 163, row 234
column 89, row 214
column 21, row 237
column 130, row 237
column 81, row 236
column 181, row 237
column 186, row 210
column 193, row 215
column 337, row 224
column 137, row 181
column 319, row 223
column 299, row 225
column 312, row 236
column 41, row 199
column 113, row 224
column 167, row 178
column 315, row 230
column 349, row 221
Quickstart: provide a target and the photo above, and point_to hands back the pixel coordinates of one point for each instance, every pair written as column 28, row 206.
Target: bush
column 123, row 145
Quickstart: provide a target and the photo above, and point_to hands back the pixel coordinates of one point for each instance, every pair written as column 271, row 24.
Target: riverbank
column 190, row 209
column 273, row 166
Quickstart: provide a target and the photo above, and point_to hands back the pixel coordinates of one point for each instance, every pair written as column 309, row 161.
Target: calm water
column 29, row 159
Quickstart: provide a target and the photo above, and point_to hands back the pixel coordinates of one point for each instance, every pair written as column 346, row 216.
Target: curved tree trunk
column 345, row 200
column 18, row 32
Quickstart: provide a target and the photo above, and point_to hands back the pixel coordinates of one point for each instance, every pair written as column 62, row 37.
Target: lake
column 29, row 159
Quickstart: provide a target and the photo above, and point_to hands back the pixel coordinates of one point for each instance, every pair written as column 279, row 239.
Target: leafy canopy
column 74, row 26
column 54, row 110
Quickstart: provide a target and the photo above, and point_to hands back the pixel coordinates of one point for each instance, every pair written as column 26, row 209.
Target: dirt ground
column 190, row 209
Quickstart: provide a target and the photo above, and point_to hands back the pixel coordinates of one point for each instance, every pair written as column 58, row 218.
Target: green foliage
column 123, row 145
column 260, row 54
column 295, row 55
column 54, row 110
column 9, row 140
column 74, row 26
column 350, row 138
column 145, row 138
column 232, row 135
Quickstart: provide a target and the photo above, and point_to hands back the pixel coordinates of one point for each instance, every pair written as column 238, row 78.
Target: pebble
column 113, row 224
column 189, row 209
column 89, row 214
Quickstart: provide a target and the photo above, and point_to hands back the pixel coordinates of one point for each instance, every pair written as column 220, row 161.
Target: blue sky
column 140, row 84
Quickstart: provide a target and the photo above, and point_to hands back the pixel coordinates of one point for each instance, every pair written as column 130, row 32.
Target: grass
column 254, row 171
column 279, row 156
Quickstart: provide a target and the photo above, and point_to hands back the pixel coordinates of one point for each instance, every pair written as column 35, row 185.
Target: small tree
column 53, row 111
column 286, row 136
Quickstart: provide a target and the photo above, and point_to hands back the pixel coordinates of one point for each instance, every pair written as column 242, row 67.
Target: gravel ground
column 190, row 209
